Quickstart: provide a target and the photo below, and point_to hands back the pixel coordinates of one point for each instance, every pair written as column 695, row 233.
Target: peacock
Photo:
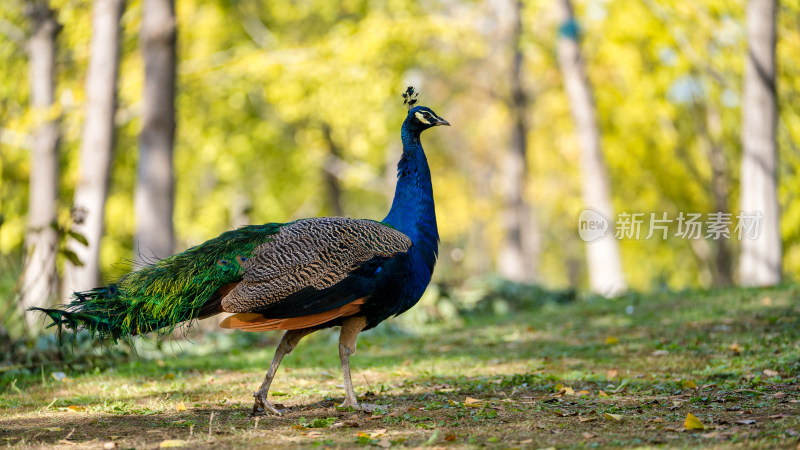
column 300, row 276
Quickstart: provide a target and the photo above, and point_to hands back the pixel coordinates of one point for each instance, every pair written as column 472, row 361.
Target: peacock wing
column 314, row 265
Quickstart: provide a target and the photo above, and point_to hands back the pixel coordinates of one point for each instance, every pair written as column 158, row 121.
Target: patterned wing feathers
column 311, row 253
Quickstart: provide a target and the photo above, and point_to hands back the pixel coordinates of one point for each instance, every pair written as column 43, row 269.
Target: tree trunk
column 155, row 186
column 96, row 148
column 519, row 251
column 332, row 168
column 40, row 278
column 603, row 255
column 722, row 274
column 760, row 263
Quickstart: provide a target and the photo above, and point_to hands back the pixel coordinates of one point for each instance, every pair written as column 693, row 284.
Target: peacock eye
column 241, row 259
column 223, row 262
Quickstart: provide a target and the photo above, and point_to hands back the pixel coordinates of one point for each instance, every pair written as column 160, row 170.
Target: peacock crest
column 410, row 97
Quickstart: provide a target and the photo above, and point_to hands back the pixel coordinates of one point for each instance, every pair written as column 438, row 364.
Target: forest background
column 285, row 110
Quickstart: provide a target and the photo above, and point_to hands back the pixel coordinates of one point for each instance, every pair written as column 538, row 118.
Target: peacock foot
column 349, row 403
column 261, row 406
column 366, row 407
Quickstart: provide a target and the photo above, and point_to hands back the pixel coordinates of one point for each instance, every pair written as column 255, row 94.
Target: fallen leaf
column 602, row 393
column 180, row 407
column 564, row 390
column 76, row 408
column 526, row 441
column 54, row 429
column 169, row 376
column 473, row 402
column 693, row 423
column 688, row 384
column 452, row 437
column 770, row 373
column 779, row 394
column 766, row 301
column 655, row 420
column 745, row 422
column 778, row 416
column 660, row 353
column 713, row 434
column 611, row 373
column 583, row 392
column 172, row 443
column 587, row 419
column 59, row 376
column 611, row 340
column 384, row 443
column 588, row 435
column 615, row 417
column 735, row 348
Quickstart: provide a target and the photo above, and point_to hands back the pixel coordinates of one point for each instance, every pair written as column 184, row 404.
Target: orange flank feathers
column 257, row 322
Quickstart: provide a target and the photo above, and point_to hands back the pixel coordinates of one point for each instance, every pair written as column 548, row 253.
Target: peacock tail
column 160, row 296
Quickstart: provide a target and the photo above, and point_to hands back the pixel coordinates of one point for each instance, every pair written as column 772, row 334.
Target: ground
column 588, row 373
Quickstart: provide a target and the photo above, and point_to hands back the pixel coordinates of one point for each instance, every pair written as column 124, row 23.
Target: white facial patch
column 421, row 118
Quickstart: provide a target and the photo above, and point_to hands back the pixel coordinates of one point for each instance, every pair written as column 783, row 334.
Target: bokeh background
column 287, row 110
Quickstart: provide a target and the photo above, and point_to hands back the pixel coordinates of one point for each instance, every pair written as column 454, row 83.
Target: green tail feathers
column 161, row 296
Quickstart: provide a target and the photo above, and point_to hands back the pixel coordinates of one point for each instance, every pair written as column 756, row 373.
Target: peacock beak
column 441, row 122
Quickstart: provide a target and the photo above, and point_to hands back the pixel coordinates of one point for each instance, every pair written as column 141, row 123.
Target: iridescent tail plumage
column 161, row 296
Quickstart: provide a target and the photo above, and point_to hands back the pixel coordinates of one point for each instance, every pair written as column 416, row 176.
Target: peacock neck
column 412, row 209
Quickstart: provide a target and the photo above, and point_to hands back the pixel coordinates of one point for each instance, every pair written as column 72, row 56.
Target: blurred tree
column 603, row 257
column 709, row 135
column 760, row 261
column 40, row 279
column 88, row 209
column 332, row 167
column 519, row 252
column 155, row 185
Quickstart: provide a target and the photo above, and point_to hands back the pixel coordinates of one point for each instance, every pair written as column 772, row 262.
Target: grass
column 590, row 373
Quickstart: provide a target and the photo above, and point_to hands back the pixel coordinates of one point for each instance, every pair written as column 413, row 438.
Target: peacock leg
column 347, row 346
column 287, row 344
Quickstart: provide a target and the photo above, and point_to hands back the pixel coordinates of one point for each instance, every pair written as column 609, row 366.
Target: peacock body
column 299, row 276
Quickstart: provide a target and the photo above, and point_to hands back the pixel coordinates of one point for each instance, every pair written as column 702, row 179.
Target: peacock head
column 420, row 118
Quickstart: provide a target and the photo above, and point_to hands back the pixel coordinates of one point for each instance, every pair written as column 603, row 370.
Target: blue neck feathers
column 412, row 208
